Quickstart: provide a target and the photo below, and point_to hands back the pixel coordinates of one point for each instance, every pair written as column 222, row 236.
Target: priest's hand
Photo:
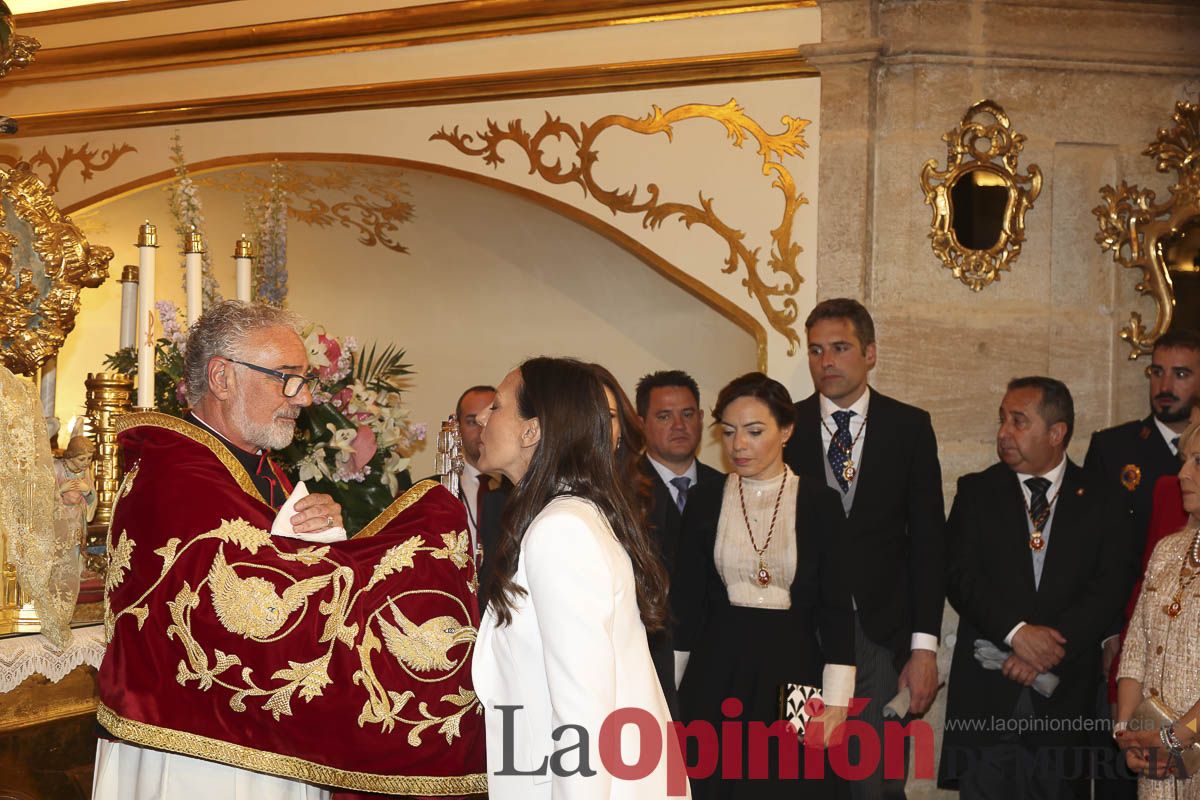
column 920, row 675
column 316, row 513
column 1018, row 669
column 1039, row 646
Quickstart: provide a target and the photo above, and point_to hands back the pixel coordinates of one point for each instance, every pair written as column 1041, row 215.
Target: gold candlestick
column 108, row 397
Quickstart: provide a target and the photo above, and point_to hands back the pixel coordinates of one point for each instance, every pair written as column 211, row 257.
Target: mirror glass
column 978, row 200
column 1180, row 253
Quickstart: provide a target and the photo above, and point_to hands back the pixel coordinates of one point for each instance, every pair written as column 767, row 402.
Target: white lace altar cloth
column 22, row 656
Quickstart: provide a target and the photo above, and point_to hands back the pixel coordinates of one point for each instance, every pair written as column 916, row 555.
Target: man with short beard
column 248, row 657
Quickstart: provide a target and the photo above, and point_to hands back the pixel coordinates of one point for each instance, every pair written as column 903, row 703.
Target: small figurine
column 76, row 487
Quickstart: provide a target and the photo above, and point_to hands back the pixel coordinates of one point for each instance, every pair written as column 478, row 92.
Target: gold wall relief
column 773, row 287
column 90, row 161
column 371, row 203
column 45, row 262
column 1160, row 239
column 979, row 201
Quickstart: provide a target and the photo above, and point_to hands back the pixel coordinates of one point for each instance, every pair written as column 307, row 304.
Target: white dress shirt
column 919, row 641
column 469, row 490
column 1055, row 476
column 1168, row 435
column 666, row 473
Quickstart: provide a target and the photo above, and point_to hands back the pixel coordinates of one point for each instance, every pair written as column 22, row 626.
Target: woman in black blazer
column 757, row 599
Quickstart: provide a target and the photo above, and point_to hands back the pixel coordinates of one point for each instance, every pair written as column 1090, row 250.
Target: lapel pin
column 1079, row 492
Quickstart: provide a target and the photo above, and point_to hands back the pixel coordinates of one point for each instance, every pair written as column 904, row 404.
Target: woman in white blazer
column 576, row 582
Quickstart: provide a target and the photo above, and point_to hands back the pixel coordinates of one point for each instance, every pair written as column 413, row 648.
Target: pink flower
column 364, row 447
column 333, row 352
column 181, row 393
column 342, row 398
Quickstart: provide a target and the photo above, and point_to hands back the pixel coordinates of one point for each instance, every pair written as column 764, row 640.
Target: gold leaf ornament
column 773, row 287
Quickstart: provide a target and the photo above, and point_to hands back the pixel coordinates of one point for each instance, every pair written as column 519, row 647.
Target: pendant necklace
column 849, row 471
column 1187, row 575
column 1036, row 542
column 763, row 575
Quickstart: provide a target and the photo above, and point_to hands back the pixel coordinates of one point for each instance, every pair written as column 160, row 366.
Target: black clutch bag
column 798, row 703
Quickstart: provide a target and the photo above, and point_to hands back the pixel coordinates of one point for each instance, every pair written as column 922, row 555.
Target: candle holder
column 147, row 235
column 129, row 274
column 194, row 243
column 243, row 248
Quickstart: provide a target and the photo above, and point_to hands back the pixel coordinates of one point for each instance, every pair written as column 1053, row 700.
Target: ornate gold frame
column 978, row 268
column 37, row 311
column 1132, row 224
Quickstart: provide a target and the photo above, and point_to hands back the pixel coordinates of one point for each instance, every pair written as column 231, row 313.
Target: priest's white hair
column 222, row 330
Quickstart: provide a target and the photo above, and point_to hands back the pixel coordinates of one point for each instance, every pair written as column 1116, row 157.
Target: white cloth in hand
column 991, row 657
column 283, row 522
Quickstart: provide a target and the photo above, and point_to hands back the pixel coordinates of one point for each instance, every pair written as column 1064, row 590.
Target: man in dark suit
column 881, row 457
column 668, row 403
column 1039, row 565
column 1130, row 458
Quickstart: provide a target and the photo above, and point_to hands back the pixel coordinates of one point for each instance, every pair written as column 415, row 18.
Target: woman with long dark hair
column 754, row 585
column 576, row 584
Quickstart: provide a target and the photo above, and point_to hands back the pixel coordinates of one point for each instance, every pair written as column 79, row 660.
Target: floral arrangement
column 356, row 439
column 184, row 202
column 268, row 216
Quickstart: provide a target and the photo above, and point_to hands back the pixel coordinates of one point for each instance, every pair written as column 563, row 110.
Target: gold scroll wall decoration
column 979, row 200
column 45, row 262
column 371, row 203
column 89, row 159
column 1144, row 235
column 773, row 290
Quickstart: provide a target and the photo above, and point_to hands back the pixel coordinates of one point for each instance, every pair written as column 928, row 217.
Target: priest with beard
column 254, row 652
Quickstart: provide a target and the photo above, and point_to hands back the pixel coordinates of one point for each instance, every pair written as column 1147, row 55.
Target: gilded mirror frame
column 991, row 147
column 1133, row 226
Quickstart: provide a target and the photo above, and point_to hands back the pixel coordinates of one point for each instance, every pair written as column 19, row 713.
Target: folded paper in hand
column 991, row 657
column 283, row 522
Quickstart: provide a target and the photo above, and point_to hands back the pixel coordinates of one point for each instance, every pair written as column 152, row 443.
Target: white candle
column 243, row 256
column 193, row 265
column 147, row 244
column 129, row 306
column 48, row 386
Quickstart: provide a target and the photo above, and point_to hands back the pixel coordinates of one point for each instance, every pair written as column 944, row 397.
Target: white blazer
column 575, row 652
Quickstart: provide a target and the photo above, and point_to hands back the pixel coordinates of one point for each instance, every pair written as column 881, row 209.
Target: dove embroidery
column 424, row 647
column 252, row 607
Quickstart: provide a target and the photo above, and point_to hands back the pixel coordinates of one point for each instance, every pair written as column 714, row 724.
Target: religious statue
column 76, row 487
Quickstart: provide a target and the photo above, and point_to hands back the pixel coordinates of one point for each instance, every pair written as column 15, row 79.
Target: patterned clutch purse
column 1150, row 715
column 798, row 704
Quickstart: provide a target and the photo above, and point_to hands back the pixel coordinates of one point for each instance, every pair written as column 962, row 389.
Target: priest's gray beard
column 274, row 435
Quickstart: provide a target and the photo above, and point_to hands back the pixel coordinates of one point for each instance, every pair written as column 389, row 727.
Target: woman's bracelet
column 1169, row 739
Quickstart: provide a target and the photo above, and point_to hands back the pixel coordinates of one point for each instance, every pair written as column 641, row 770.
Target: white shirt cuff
column 1017, row 627
column 837, row 684
column 924, row 641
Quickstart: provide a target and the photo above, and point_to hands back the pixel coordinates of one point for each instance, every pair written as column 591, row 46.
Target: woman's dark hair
column 574, row 457
column 754, row 384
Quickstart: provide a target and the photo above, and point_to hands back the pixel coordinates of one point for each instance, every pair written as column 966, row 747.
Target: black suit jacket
column 892, row 546
column 665, row 523
column 1085, row 581
column 488, row 531
column 1129, row 459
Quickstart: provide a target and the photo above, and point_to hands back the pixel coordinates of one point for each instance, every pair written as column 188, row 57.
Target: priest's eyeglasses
column 293, row 384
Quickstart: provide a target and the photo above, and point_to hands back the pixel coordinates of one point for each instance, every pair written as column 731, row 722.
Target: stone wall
column 1088, row 82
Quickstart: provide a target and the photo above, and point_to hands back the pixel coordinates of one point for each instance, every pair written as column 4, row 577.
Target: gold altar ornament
column 45, row 261
column 979, row 200
column 16, row 51
column 772, row 284
column 1160, row 239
